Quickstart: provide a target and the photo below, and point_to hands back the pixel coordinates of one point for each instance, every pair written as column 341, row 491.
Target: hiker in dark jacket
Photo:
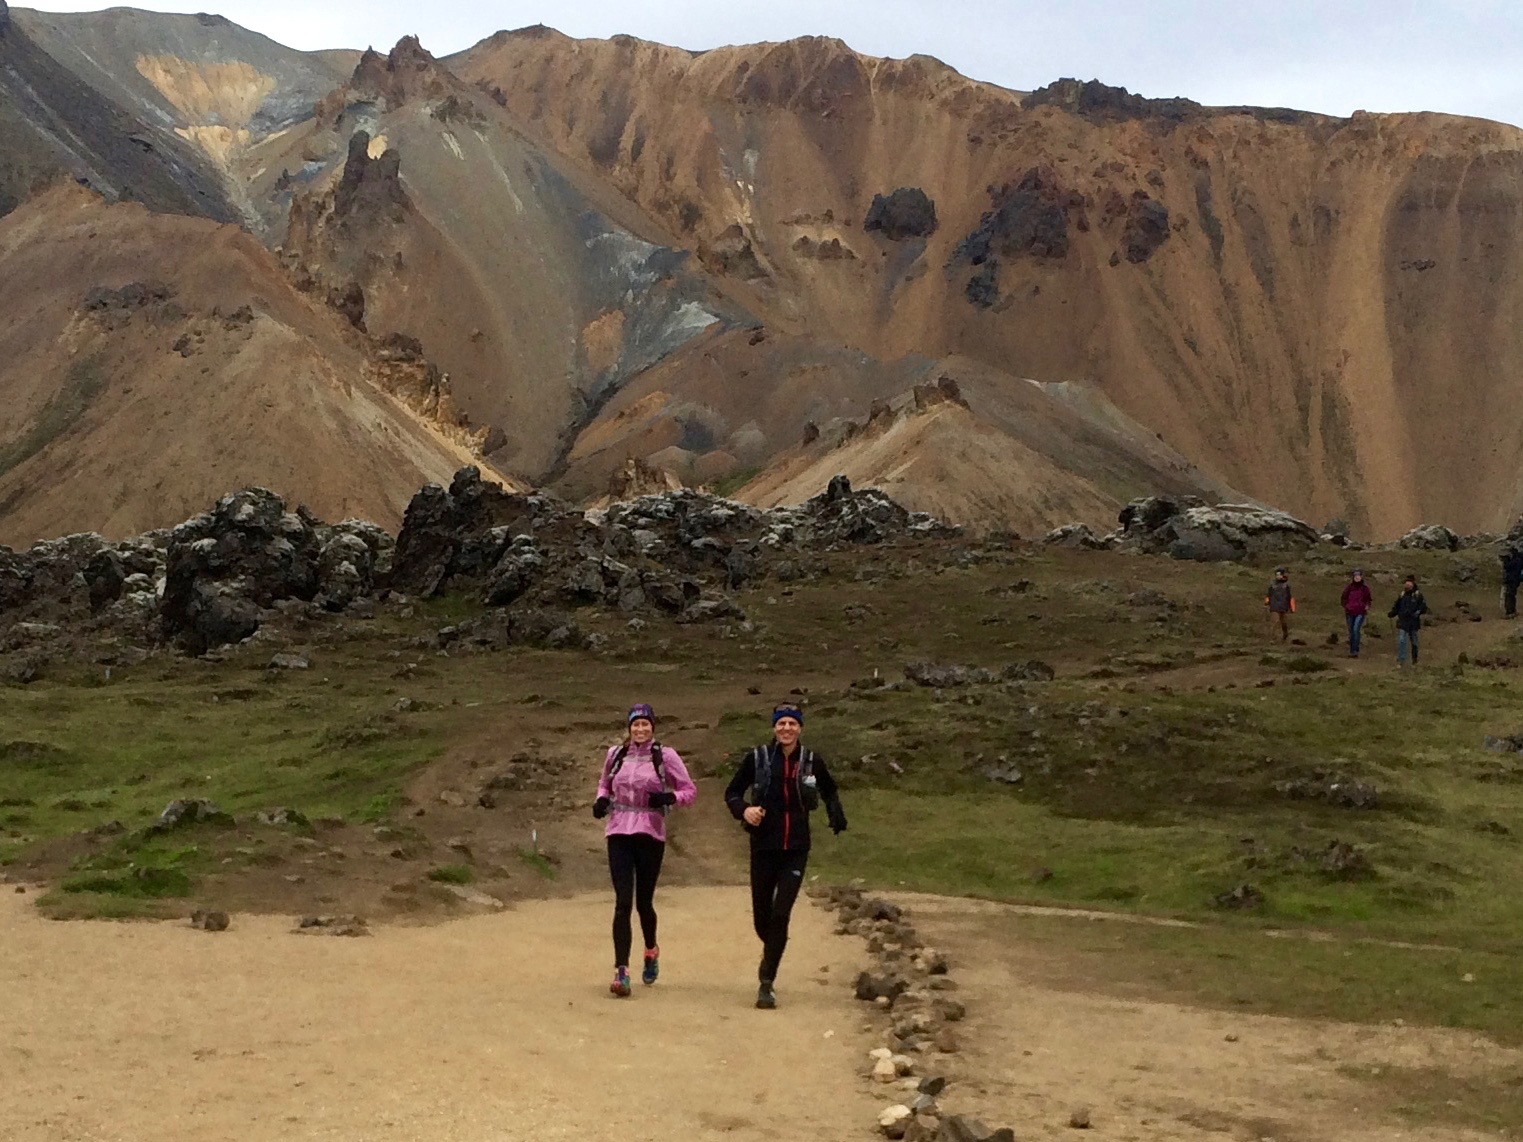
column 772, row 794
column 1356, row 606
column 1281, row 603
column 1512, row 575
column 1408, row 611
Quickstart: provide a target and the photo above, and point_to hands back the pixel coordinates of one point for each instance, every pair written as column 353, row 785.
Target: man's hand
column 753, row 815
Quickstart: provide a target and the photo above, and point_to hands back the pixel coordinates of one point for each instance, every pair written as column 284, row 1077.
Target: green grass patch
column 538, row 861
column 452, row 874
column 1490, row 1102
column 149, row 883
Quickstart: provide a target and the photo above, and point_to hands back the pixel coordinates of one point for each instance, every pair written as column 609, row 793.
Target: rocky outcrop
column 225, row 567
column 1100, row 102
column 1185, row 528
column 217, row 578
column 1147, row 227
column 1029, row 219
column 906, row 213
column 657, row 552
column 1430, row 537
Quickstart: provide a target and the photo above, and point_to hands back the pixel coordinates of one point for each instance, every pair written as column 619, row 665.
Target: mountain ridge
column 614, row 252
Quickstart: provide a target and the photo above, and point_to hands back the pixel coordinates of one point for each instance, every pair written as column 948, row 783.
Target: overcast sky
column 1334, row 56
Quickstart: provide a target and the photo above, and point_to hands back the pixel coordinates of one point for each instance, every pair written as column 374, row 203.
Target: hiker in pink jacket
column 641, row 780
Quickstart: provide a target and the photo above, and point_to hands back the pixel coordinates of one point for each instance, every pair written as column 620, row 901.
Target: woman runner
column 641, row 780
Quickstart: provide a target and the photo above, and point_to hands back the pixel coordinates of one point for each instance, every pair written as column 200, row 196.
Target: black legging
column 776, row 877
column 634, row 863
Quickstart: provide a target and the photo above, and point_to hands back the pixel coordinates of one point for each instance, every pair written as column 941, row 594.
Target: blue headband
column 787, row 711
column 641, row 710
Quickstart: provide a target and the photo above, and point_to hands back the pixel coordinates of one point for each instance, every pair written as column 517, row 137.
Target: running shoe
column 620, row 985
column 765, row 999
column 652, row 968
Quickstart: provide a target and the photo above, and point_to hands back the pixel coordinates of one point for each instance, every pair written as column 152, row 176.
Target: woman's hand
column 753, row 815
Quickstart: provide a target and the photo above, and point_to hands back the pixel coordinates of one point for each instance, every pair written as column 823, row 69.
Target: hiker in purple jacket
column 641, row 780
column 1357, row 598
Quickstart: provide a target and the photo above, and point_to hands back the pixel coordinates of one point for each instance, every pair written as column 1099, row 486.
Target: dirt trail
column 495, row 1027
column 1154, row 1071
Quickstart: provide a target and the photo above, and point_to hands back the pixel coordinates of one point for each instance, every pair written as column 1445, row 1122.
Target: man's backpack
column 762, row 779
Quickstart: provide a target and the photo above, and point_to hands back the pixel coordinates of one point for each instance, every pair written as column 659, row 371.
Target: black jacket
column 1512, row 566
column 1408, row 610
column 786, row 824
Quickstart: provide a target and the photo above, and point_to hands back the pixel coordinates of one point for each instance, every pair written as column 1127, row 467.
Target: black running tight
column 634, row 863
column 776, row 877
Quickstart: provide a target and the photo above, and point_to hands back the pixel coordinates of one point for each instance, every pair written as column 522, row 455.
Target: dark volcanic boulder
column 248, row 552
column 225, row 567
column 458, row 537
column 906, row 213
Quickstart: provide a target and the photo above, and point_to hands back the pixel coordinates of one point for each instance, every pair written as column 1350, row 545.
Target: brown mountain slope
column 539, row 293
column 153, row 362
column 221, row 89
column 53, row 125
column 1322, row 313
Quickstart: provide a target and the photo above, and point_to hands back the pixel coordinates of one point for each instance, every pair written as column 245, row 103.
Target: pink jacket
column 632, row 786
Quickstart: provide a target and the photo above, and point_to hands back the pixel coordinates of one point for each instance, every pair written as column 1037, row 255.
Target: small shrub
column 452, row 874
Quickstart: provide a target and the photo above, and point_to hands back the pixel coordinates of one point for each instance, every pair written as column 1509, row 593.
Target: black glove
column 662, row 800
column 600, row 808
column 837, row 820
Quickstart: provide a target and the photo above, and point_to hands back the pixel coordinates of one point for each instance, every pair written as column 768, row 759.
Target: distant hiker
column 1408, row 610
column 1281, row 603
column 1512, row 575
column 1357, row 598
column 772, row 794
column 641, row 780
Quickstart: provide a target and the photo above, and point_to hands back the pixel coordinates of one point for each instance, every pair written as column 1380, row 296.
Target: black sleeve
column 826, row 783
column 1422, row 604
column 745, row 777
column 830, row 794
column 1391, row 614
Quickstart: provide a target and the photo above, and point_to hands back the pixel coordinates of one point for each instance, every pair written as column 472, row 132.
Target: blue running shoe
column 620, row 985
column 652, row 969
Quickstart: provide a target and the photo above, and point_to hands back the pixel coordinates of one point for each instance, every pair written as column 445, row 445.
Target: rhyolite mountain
column 757, row 265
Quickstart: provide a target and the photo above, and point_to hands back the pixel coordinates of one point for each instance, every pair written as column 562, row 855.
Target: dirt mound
column 152, row 361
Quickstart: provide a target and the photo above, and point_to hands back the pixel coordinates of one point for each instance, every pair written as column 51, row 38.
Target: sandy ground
column 1154, row 1071
column 496, row 1027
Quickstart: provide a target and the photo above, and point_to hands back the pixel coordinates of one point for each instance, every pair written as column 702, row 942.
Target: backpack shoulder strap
column 659, row 761
column 617, row 761
column 761, row 779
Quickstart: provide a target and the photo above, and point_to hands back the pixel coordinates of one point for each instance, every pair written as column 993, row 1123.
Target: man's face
column 787, row 731
column 1279, row 576
column 1410, row 585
